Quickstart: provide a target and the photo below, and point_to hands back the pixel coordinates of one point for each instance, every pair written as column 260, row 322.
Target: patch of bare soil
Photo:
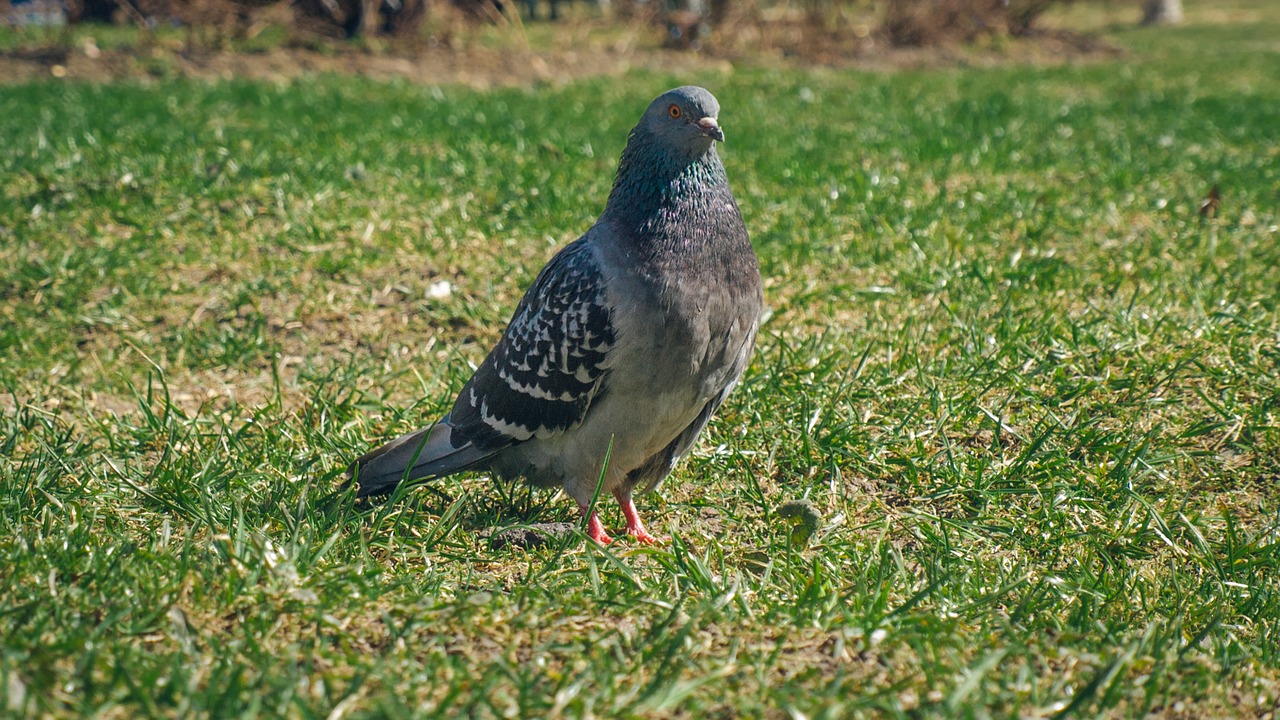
column 800, row 41
column 476, row 67
column 785, row 43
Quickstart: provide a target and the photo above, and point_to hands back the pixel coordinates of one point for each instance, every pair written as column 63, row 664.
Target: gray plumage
column 633, row 335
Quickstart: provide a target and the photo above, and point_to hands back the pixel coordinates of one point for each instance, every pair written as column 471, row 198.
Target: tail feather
column 422, row 455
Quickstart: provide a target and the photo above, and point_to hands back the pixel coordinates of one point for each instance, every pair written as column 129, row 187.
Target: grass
column 1030, row 388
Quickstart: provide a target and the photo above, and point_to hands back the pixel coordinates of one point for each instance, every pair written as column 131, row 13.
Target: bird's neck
column 665, row 204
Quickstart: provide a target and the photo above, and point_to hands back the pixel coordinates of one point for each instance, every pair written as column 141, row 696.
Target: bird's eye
column 674, row 111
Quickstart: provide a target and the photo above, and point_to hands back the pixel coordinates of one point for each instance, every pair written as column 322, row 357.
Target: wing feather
column 551, row 362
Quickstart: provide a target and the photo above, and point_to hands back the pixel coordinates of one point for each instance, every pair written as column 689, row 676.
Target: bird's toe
column 643, row 537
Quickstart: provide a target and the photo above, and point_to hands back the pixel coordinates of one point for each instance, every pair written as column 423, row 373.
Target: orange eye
column 674, row 111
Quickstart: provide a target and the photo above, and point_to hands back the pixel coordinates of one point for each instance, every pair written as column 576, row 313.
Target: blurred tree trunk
column 403, row 18
column 348, row 16
column 90, row 10
column 1161, row 12
column 719, row 10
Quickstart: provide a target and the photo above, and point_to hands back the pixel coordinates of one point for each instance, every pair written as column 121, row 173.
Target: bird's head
column 684, row 120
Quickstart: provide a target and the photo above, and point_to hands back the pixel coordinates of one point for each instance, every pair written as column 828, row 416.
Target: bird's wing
column 551, row 362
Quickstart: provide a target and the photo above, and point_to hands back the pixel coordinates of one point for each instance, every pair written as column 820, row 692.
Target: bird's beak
column 711, row 128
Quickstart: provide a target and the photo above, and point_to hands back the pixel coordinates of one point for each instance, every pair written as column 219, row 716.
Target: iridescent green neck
column 653, row 182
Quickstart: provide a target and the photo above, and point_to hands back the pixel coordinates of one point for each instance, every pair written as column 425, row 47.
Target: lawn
column 1025, row 372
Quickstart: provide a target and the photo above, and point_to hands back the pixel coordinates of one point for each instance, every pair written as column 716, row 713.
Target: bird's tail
column 422, row 455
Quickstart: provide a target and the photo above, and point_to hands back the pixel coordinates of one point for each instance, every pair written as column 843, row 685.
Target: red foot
column 635, row 526
column 595, row 528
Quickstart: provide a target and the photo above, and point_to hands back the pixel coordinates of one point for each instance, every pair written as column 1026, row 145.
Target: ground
column 1021, row 358
column 480, row 55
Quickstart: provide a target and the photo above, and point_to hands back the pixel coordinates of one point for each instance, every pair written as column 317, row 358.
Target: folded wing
column 540, row 380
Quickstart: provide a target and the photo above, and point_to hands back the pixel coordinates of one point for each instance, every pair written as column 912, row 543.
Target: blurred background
column 174, row 35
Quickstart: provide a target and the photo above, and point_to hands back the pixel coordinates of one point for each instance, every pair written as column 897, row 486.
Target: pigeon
column 624, row 346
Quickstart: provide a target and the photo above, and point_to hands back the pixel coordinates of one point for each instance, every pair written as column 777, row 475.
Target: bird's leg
column 635, row 526
column 595, row 528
